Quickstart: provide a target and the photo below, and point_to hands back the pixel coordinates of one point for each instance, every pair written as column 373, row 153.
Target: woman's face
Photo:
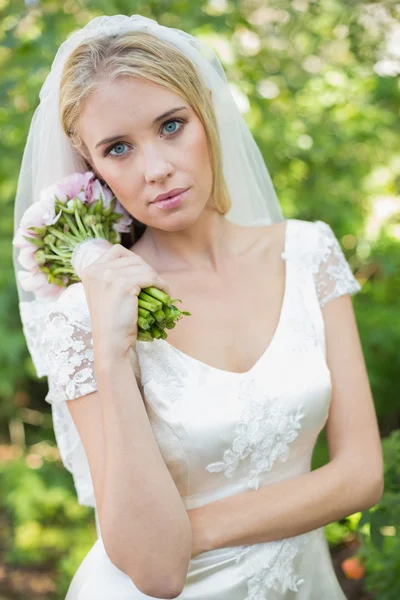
column 149, row 155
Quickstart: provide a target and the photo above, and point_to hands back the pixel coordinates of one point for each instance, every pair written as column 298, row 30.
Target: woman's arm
column 143, row 520
column 144, row 524
column 353, row 479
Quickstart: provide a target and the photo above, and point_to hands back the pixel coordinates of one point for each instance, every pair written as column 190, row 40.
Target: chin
column 177, row 221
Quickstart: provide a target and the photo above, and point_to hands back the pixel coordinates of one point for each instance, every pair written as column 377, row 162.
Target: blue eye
column 172, row 122
column 113, row 148
column 109, row 150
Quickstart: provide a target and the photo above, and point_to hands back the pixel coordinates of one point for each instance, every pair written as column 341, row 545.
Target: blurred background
column 318, row 84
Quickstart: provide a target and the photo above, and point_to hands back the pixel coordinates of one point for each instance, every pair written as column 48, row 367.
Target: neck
column 206, row 245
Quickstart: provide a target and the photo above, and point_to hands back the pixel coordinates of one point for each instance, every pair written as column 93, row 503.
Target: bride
column 195, row 452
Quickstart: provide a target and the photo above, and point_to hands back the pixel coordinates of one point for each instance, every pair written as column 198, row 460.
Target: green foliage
column 343, row 530
column 46, row 525
column 380, row 529
column 304, row 74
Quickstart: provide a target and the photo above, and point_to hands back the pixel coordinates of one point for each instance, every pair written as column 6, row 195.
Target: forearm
column 144, row 523
column 288, row 508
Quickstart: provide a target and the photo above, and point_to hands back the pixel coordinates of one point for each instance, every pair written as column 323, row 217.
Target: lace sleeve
column 332, row 274
column 68, row 345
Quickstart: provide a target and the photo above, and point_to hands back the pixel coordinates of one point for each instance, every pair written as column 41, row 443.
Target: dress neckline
column 274, row 340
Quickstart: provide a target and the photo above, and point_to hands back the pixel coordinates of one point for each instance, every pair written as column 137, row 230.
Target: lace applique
column 332, row 273
column 265, row 431
column 69, row 347
column 270, row 567
column 325, row 259
column 156, row 365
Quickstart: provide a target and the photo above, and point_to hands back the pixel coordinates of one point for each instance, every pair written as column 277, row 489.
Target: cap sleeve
column 332, row 274
column 68, row 341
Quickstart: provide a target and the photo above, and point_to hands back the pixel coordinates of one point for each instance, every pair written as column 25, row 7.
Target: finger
column 117, row 263
column 140, row 275
column 116, row 251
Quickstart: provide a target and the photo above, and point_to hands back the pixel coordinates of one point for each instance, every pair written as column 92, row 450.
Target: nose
column 157, row 166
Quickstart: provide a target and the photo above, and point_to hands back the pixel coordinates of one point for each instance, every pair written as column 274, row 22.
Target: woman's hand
column 112, row 284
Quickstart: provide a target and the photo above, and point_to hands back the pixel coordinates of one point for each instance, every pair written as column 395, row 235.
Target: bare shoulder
column 260, row 235
column 270, row 237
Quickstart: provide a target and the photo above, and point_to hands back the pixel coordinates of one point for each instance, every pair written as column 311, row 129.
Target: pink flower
column 20, row 242
column 123, row 224
column 71, row 186
column 52, row 192
column 36, row 281
column 75, row 185
column 40, row 213
column 26, row 257
column 94, row 190
column 31, row 281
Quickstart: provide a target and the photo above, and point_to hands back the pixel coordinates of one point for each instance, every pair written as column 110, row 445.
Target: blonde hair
column 140, row 55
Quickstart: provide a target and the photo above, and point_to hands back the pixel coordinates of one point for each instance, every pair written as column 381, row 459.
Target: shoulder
column 311, row 241
column 313, row 231
column 316, row 248
column 317, row 230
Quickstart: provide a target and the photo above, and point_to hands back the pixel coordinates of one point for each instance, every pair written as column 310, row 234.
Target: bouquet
column 73, row 223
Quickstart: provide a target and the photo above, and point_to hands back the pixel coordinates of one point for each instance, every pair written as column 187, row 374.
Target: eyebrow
column 156, row 120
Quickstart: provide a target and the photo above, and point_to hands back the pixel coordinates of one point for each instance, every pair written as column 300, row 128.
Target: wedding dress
column 221, row 433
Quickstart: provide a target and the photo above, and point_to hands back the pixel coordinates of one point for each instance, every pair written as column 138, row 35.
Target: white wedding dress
column 221, row 433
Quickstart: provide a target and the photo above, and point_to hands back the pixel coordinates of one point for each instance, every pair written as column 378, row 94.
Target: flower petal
column 26, row 258
column 31, row 281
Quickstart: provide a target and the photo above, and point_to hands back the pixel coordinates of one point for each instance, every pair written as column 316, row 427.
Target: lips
column 173, row 202
column 170, row 194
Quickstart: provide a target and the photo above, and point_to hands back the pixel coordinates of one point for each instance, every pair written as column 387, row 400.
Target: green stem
column 71, row 241
column 101, row 230
column 144, row 336
column 73, row 226
column 155, row 332
column 63, row 270
column 160, row 316
column 80, row 224
column 158, row 294
column 146, row 305
column 52, row 257
column 144, row 324
column 65, row 209
column 58, row 252
column 163, row 334
column 156, row 303
column 94, row 229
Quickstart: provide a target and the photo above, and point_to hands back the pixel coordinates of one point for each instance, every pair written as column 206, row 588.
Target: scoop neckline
column 273, row 341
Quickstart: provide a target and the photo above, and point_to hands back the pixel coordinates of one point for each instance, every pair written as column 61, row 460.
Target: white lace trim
column 69, row 346
column 316, row 249
column 333, row 276
column 270, row 567
column 264, row 430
